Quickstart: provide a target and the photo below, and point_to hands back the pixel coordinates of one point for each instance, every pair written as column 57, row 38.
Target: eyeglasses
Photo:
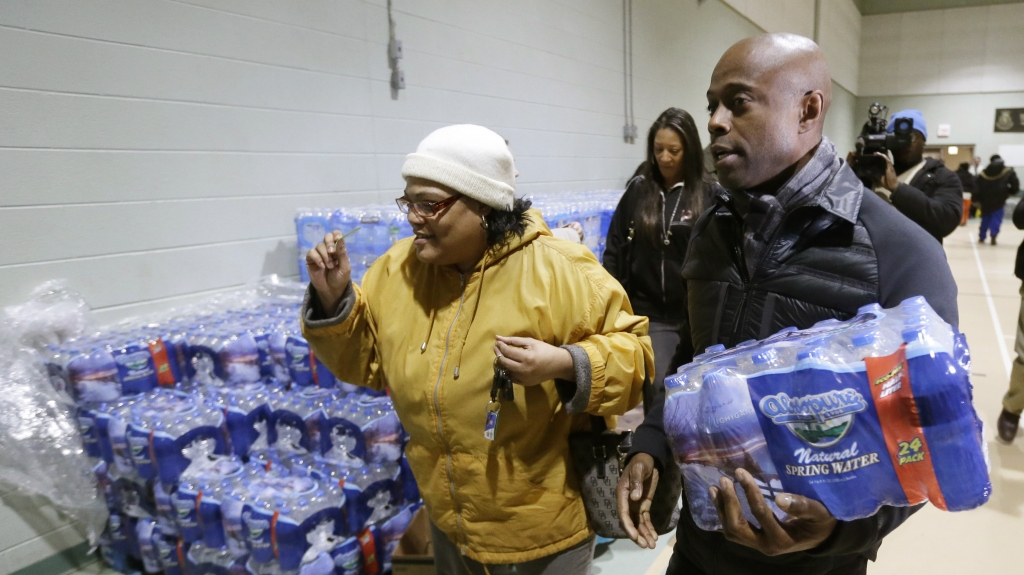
column 425, row 209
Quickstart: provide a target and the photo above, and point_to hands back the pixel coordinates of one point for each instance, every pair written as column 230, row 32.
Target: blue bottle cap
column 812, row 349
column 864, row 339
column 676, row 380
column 714, row 348
column 913, row 334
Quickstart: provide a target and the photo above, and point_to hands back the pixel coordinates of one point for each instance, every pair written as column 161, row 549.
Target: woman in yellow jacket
column 483, row 281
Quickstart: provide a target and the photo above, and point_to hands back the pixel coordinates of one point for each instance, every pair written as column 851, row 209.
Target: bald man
column 793, row 239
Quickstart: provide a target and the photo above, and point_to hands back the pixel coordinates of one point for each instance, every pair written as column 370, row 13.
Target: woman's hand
column 329, row 270
column 531, row 361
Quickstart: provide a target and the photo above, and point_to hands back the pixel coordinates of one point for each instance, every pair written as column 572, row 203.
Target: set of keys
column 501, row 389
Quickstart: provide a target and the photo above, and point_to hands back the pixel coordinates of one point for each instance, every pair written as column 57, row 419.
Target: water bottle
column 93, row 376
column 239, row 359
column 171, row 553
column 383, row 434
column 246, row 408
column 731, row 434
column 373, row 494
column 348, row 557
column 135, row 368
column 947, row 418
column 278, row 342
column 188, row 433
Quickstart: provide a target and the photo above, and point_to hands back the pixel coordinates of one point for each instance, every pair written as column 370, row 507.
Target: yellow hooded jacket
column 427, row 333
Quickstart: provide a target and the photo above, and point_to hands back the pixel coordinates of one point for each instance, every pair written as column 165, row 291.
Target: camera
column 875, row 139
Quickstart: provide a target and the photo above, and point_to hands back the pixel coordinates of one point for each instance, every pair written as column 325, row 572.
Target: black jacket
column 1018, row 221
column 845, row 249
column 934, row 199
column 966, row 180
column 650, row 274
column 994, row 186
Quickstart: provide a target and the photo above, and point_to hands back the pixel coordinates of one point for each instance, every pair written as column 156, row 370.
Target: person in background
column 1013, row 401
column 967, row 183
column 650, row 230
column 924, row 190
column 482, row 285
column 995, row 183
column 793, row 239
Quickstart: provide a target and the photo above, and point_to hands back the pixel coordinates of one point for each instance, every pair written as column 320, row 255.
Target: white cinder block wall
column 154, row 151
column 957, row 66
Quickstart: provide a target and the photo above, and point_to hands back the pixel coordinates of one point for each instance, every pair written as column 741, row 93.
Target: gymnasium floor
column 981, row 541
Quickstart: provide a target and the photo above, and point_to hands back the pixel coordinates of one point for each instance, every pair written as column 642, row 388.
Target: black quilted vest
column 819, row 264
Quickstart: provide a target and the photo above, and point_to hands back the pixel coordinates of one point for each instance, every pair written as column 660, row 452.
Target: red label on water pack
column 369, row 546
column 273, row 534
column 889, row 379
column 164, row 375
column 312, row 368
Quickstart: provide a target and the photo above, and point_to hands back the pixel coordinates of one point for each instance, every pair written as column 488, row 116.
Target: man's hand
column 635, row 493
column 888, row 180
column 809, row 522
column 531, row 361
column 329, row 270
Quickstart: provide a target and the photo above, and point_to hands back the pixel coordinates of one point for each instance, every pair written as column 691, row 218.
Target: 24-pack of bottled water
column 872, row 411
column 377, row 227
column 223, row 445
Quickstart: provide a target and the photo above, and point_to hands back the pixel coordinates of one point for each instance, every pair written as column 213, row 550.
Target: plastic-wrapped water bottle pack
column 593, row 210
column 376, row 228
column 872, row 411
column 223, row 445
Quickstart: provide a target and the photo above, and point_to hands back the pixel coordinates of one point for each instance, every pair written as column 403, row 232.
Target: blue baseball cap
column 915, row 115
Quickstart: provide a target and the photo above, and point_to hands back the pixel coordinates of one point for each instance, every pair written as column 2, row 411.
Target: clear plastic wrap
column 52, row 315
column 873, row 411
column 41, row 449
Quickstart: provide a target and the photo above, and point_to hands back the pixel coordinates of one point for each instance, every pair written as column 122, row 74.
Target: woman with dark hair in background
column 650, row 231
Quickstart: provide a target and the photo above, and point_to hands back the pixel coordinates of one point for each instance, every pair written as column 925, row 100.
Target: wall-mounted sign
column 1009, row 120
column 944, row 130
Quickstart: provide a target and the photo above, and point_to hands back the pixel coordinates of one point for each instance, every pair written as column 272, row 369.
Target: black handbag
column 598, row 457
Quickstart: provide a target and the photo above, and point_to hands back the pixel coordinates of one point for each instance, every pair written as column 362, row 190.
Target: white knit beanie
column 471, row 160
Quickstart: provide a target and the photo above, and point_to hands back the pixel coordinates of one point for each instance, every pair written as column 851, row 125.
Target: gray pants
column 1013, row 401
column 575, row 560
column 664, row 340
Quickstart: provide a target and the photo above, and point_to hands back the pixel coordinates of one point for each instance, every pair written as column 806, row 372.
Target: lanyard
column 501, row 388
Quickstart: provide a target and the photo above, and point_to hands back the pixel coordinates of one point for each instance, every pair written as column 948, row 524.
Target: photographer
column 924, row 190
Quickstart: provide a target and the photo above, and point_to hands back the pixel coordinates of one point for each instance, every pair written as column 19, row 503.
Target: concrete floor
column 933, row 541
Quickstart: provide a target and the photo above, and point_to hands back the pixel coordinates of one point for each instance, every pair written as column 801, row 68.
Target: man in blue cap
column 925, row 190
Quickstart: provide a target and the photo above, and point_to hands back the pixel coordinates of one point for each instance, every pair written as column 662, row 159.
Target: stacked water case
column 223, row 445
column 857, row 414
column 374, row 229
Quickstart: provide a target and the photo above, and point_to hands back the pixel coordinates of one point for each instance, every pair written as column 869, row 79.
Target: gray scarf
column 763, row 215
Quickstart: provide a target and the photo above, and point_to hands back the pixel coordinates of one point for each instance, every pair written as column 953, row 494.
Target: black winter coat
column 650, row 274
column 1018, row 221
column 845, row 249
column 966, row 180
column 994, row 188
column 934, row 199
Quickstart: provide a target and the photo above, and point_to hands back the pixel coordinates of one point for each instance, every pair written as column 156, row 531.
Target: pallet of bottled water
column 873, row 411
column 374, row 229
column 221, row 444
